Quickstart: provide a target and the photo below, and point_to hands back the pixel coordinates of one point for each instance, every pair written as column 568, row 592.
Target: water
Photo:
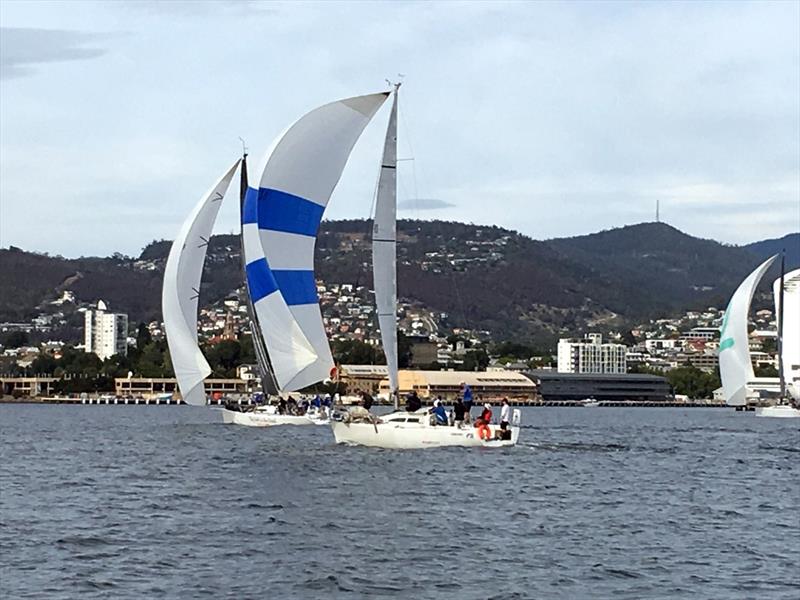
column 166, row 502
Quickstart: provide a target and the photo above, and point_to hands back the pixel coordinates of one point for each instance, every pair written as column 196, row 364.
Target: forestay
column 735, row 367
column 299, row 175
column 181, row 291
column 384, row 248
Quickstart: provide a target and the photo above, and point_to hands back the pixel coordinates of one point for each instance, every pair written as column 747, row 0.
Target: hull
column 781, row 410
column 396, row 432
column 258, row 418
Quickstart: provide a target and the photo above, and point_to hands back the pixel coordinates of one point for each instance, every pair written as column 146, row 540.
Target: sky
column 552, row 119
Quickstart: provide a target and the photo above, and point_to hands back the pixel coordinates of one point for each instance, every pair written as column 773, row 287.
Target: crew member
column 439, row 411
column 458, row 412
column 505, row 411
column 466, row 393
column 482, row 423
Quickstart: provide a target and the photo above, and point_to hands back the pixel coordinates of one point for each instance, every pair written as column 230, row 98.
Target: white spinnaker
column 302, row 168
column 735, row 367
column 791, row 328
column 384, row 248
column 181, row 290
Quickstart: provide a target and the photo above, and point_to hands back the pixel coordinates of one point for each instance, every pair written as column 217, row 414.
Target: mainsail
column 735, row 367
column 179, row 296
column 281, row 219
column 384, row 248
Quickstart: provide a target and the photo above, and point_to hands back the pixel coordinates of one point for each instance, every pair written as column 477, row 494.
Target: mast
column 781, row 375
column 268, row 383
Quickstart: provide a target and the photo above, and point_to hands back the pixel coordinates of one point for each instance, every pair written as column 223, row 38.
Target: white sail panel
column 790, row 328
column 299, row 174
column 735, row 367
column 181, row 291
column 384, row 249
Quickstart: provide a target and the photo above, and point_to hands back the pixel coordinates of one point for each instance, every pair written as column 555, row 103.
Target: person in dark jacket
column 366, row 400
column 458, row 412
column 413, row 403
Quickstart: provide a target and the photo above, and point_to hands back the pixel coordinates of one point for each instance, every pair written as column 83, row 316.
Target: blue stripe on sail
column 280, row 211
column 250, row 207
column 297, row 287
column 260, row 280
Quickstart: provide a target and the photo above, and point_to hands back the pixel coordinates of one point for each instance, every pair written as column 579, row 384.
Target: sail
column 735, row 367
column 791, row 329
column 181, row 290
column 384, row 249
column 299, row 175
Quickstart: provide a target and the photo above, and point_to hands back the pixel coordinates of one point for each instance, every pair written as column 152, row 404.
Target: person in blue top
column 440, row 412
column 317, row 402
column 466, row 393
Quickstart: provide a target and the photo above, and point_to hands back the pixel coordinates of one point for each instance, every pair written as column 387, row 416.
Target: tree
column 143, row 336
column 223, row 357
column 14, row 339
column 355, row 352
column 475, row 360
column 765, row 371
column 404, row 354
column 44, row 364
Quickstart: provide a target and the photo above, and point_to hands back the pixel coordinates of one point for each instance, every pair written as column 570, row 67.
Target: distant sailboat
column 785, row 406
column 401, row 429
column 735, row 366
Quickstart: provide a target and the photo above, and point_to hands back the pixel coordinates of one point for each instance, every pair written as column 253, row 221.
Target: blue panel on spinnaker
column 250, row 207
column 280, row 211
column 297, row 287
column 260, row 280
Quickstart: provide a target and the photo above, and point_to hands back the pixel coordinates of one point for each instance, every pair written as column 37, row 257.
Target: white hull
column 394, row 431
column 262, row 418
column 781, row 410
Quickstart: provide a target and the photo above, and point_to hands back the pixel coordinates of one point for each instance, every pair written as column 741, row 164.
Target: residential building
column 105, row 333
column 590, row 355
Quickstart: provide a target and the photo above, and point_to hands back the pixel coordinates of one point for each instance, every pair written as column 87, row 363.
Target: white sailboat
column 787, row 311
column 280, row 221
column 736, row 370
column 400, row 429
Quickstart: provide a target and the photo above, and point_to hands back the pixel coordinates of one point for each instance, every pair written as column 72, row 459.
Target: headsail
column 181, row 290
column 299, row 175
column 384, row 248
column 735, row 367
column 790, row 327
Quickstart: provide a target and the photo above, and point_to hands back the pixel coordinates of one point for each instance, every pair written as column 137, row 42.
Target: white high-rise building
column 590, row 355
column 105, row 333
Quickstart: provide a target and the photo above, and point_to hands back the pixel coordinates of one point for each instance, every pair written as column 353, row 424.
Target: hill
column 766, row 248
column 482, row 277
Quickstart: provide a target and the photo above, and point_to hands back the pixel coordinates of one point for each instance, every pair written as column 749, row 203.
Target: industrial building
column 149, row 387
column 486, row 385
column 633, row 387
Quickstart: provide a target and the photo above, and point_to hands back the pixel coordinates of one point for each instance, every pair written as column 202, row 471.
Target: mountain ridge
column 482, row 277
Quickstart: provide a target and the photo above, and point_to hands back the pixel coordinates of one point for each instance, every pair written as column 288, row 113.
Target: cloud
column 423, row 204
column 23, row 48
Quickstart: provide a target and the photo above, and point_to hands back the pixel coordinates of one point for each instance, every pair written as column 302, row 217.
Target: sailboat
column 280, row 218
column 735, row 366
column 400, row 429
column 788, row 405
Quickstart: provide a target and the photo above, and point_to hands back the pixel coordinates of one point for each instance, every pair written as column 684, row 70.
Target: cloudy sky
column 551, row 119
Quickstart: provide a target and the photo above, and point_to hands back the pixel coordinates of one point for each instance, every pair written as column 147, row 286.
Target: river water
column 166, row 502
